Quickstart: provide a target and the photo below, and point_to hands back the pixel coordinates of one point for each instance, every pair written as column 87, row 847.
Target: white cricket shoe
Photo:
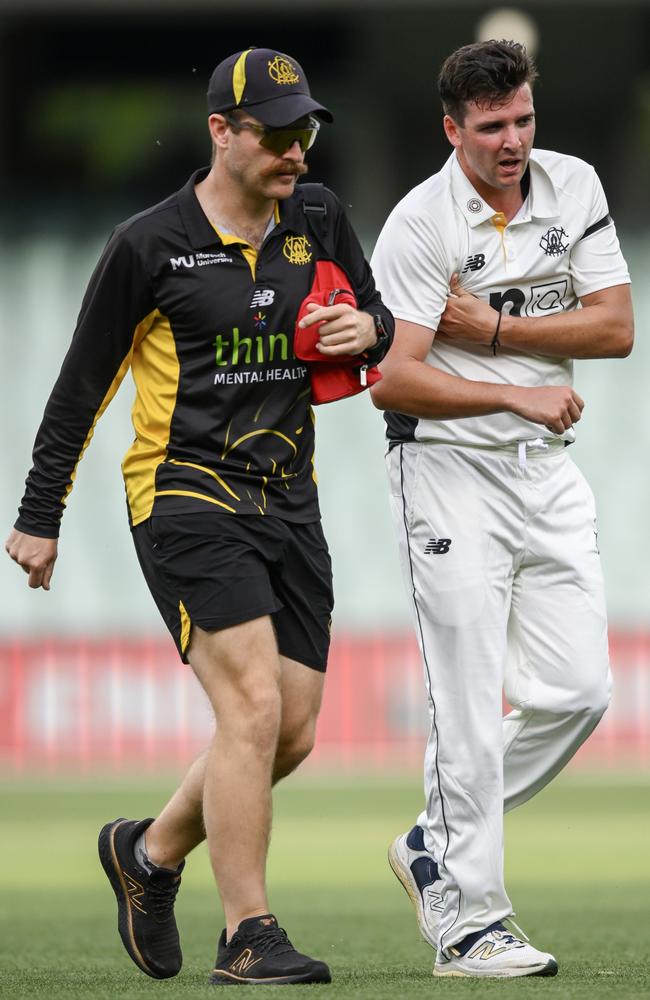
column 494, row 953
column 417, row 870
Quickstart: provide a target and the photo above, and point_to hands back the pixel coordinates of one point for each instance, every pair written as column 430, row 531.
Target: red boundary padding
column 86, row 703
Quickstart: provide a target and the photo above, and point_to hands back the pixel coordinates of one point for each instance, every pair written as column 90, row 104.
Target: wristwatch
column 380, row 330
column 376, row 353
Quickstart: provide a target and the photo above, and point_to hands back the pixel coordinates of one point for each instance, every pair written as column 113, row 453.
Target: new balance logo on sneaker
column 145, row 900
column 487, row 949
column 244, row 962
column 260, row 952
column 418, row 873
column 135, row 891
column 494, row 953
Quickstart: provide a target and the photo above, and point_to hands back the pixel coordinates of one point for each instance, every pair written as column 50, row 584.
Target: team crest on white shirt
column 553, row 242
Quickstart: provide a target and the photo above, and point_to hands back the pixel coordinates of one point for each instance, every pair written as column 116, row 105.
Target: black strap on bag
column 318, row 216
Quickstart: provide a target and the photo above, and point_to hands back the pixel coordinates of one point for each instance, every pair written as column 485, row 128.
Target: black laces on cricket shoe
column 268, row 940
column 162, row 891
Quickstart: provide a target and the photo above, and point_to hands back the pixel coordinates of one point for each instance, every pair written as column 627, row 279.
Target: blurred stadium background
column 101, row 114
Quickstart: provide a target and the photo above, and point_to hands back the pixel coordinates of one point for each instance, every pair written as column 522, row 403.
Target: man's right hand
column 36, row 556
column 557, row 407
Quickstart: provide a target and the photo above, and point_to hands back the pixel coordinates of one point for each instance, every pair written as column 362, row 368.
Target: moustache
column 288, row 167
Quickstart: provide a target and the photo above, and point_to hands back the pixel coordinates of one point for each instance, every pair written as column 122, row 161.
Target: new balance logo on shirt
column 262, row 297
column 474, row 263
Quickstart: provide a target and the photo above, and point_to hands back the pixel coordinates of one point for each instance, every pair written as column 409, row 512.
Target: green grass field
column 578, row 875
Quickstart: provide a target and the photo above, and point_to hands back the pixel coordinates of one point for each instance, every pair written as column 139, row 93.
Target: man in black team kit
column 199, row 295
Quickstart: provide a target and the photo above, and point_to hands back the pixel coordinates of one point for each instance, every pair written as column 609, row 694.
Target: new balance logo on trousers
column 437, row 546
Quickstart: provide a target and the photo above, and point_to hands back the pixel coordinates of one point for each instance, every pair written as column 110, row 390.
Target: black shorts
column 219, row 570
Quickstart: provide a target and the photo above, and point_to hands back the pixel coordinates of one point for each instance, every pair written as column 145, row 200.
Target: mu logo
column 135, row 892
column 244, row 962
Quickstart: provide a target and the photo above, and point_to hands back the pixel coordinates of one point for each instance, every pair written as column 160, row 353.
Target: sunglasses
column 279, row 140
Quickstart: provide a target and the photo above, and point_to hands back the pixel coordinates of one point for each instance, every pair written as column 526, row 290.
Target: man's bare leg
column 179, row 828
column 302, row 694
column 239, row 669
column 266, row 719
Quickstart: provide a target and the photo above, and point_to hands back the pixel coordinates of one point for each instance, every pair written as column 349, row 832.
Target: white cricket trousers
column 499, row 553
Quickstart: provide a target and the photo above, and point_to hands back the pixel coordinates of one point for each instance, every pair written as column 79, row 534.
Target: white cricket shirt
column 560, row 246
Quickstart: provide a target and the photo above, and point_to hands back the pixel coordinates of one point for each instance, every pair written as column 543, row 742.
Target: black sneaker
column 145, row 900
column 260, row 952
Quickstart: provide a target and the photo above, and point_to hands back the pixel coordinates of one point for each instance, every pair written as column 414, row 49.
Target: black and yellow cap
column 269, row 84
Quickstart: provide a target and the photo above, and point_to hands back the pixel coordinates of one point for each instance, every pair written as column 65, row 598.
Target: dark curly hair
column 486, row 73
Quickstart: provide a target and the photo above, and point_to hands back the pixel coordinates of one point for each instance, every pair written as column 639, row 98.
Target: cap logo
column 297, row 249
column 282, row 72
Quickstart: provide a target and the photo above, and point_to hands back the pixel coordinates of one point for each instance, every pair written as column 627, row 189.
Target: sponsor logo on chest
column 262, row 297
column 475, row 262
column 199, row 260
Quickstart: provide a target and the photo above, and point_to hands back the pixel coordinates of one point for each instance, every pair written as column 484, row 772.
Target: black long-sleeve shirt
column 222, row 414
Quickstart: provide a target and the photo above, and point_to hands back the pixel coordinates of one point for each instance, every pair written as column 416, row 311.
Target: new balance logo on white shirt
column 474, row 263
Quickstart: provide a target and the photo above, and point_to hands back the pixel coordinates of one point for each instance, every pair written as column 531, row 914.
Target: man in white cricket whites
column 485, row 266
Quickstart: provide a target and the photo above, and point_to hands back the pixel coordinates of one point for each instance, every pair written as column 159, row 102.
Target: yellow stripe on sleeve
column 156, row 373
column 139, row 332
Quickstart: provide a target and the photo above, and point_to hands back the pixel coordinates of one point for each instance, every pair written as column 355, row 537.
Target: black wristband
column 380, row 330
column 377, row 352
column 495, row 342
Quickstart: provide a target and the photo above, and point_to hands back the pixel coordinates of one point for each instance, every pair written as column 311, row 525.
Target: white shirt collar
column 542, row 198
